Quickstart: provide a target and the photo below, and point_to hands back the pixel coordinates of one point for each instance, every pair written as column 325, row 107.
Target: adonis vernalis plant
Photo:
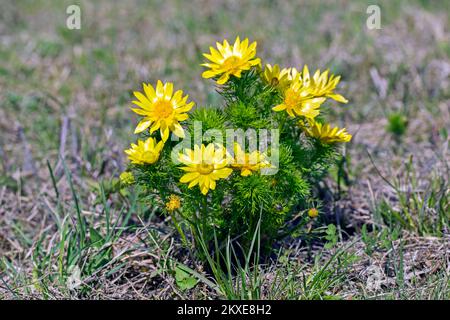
column 252, row 163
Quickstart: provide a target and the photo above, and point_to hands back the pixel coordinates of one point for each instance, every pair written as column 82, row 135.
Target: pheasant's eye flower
column 145, row 152
column 126, row 178
column 230, row 60
column 204, row 166
column 248, row 162
column 313, row 213
column 276, row 77
column 174, row 203
column 162, row 109
column 298, row 101
column 319, row 85
column 325, row 133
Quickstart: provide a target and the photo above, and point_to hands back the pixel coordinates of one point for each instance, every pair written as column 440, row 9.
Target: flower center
column 205, row 168
column 275, row 81
column 291, row 98
column 149, row 156
column 231, row 63
column 163, row 109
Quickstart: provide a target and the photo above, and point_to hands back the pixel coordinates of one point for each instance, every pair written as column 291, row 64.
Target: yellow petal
column 193, row 183
column 142, row 125
column 223, row 79
column 182, row 116
column 149, row 91
column 338, row 98
column 204, row 190
column 209, row 74
column 223, row 173
column 140, row 112
column 212, row 184
column 159, row 89
column 155, row 126
column 168, row 90
column 164, row 133
column 178, row 130
column 141, row 98
column 189, row 177
column 279, row 107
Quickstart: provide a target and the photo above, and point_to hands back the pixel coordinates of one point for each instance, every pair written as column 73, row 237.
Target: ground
column 64, row 112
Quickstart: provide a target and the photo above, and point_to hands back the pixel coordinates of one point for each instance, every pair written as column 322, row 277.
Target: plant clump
column 249, row 165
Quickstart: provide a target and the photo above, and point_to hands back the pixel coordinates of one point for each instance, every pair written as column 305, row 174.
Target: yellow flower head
column 174, row 203
column 313, row 213
column 294, row 74
column 126, row 178
column 322, row 85
column 204, row 166
column 230, row 60
column 325, row 133
column 248, row 162
column 145, row 152
column 298, row 101
column 162, row 109
column 276, row 77
column 319, row 85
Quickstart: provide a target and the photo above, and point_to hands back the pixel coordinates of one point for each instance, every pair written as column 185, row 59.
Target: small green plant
column 184, row 280
column 379, row 239
column 331, row 236
column 397, row 124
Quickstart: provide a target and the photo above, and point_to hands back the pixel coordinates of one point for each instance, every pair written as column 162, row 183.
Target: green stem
column 204, row 214
column 178, row 227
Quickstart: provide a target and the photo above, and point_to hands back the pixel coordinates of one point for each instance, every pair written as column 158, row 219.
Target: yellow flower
column 145, row 151
column 126, row 178
column 204, row 166
column 298, row 101
column 174, row 203
column 325, row 133
column 230, row 60
column 248, row 162
column 162, row 109
column 313, row 213
column 276, row 77
column 320, row 85
column 305, row 94
column 294, row 74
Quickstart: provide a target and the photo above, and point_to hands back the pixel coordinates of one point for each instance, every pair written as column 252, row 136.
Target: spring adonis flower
column 230, row 60
column 145, row 152
column 276, row 77
column 174, row 203
column 162, row 109
column 325, row 133
column 248, row 163
column 204, row 166
column 297, row 100
column 313, row 213
column 321, row 85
